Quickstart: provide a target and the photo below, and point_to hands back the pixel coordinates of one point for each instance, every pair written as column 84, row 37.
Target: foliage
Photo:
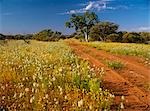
column 16, row 37
column 133, row 37
column 145, row 35
column 115, row 64
column 114, row 38
column 101, row 30
column 83, row 23
column 2, row 37
column 45, row 76
column 47, row 35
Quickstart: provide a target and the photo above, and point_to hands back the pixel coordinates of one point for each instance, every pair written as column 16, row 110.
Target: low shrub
column 115, row 64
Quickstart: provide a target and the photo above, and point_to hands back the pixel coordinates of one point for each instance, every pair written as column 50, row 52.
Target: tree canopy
column 47, row 35
column 83, row 23
column 101, row 30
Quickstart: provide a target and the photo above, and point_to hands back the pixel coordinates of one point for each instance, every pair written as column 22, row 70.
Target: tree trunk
column 86, row 36
column 101, row 39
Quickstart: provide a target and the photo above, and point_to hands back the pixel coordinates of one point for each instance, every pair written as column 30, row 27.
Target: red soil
column 130, row 81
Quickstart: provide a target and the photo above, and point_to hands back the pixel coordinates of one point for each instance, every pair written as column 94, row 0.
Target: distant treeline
column 120, row 36
column 44, row 35
column 99, row 32
column 88, row 27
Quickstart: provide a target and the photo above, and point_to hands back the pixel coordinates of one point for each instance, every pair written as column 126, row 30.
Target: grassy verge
column 140, row 50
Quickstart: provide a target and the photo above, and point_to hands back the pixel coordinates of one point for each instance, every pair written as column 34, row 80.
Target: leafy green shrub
column 2, row 37
column 115, row 64
column 133, row 38
column 47, row 35
column 114, row 38
column 145, row 35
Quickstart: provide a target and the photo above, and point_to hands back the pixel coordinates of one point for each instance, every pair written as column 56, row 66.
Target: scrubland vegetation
column 48, row 76
column 140, row 50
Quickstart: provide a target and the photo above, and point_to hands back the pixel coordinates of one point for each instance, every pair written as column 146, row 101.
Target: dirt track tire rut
column 136, row 99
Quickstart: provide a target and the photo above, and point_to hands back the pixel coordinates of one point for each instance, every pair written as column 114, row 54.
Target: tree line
column 44, row 35
column 88, row 27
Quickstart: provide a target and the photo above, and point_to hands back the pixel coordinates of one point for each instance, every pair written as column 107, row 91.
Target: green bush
column 114, row 38
column 115, row 64
column 47, row 35
column 145, row 35
column 133, row 37
column 2, row 37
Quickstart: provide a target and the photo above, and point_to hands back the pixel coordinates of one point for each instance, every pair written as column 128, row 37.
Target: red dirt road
column 130, row 81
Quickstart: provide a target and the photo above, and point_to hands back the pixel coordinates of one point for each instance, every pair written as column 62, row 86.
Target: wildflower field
column 140, row 50
column 46, row 76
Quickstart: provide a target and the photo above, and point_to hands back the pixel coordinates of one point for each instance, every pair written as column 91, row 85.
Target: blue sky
column 29, row 16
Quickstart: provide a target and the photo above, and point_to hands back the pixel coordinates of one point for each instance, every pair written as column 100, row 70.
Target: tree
column 47, row 35
column 145, row 35
column 114, row 38
column 83, row 23
column 43, row 35
column 133, row 37
column 2, row 37
column 18, row 37
column 101, row 30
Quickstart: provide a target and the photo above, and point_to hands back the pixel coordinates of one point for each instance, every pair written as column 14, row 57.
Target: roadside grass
column 140, row 50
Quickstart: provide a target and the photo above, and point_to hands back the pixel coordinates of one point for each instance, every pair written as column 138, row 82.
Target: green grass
column 117, row 65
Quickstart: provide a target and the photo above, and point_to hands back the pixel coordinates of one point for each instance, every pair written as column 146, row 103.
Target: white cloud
column 147, row 29
column 97, row 5
column 92, row 5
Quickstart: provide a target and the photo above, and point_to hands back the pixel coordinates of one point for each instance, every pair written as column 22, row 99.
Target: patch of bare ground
column 130, row 81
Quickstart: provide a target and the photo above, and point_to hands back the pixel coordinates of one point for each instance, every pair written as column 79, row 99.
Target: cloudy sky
column 29, row 16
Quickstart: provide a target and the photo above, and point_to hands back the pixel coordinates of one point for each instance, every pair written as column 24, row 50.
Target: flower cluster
column 48, row 76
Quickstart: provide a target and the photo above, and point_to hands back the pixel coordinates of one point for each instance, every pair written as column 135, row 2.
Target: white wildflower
column 65, row 97
column 80, row 103
column 21, row 94
column 3, row 97
column 60, row 70
column 122, row 98
column 34, row 77
column 55, row 99
column 40, row 77
column 46, row 96
column 15, row 95
column 26, row 89
column 121, row 105
column 32, row 89
column 3, row 87
column 57, row 102
column 31, row 100
column 53, row 79
column 34, row 84
column 90, row 107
